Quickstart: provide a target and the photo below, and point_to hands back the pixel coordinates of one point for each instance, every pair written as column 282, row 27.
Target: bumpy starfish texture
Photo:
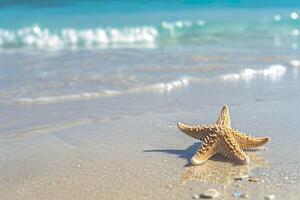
column 221, row 138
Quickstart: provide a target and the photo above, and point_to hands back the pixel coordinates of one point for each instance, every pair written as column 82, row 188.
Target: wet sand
column 135, row 151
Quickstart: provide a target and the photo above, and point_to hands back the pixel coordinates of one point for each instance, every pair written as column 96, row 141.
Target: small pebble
column 252, row 179
column 244, row 196
column 210, row 194
column 240, row 178
column 270, row 197
column 241, row 195
column 237, row 194
column 238, row 185
column 195, row 196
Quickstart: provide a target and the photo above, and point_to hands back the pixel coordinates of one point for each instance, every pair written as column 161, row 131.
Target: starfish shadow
column 188, row 153
column 191, row 150
column 185, row 153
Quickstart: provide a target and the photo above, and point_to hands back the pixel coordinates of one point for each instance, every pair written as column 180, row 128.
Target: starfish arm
column 247, row 142
column 197, row 132
column 231, row 149
column 224, row 117
column 207, row 150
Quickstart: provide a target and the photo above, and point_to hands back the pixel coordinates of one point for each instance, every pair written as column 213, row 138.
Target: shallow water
column 59, row 52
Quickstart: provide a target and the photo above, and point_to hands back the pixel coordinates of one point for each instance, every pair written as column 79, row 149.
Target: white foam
column 169, row 86
column 295, row 63
column 295, row 32
column 64, row 98
column 36, row 36
column 277, row 17
column 159, row 87
column 274, row 72
column 294, row 15
column 177, row 24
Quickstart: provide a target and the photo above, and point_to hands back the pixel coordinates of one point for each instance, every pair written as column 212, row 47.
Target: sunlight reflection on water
column 221, row 171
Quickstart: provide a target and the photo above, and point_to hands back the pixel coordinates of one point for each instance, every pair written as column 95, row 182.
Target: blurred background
column 57, row 50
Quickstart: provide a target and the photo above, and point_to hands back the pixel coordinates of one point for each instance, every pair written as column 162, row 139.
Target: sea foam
column 38, row 37
column 164, row 87
column 273, row 72
column 158, row 34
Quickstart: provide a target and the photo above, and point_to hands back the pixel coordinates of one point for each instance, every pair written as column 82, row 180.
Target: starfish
column 220, row 138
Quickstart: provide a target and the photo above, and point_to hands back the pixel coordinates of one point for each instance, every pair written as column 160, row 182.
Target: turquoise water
column 61, row 51
column 147, row 24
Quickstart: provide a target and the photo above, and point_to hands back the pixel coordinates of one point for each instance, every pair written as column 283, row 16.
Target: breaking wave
column 159, row 87
column 164, row 33
column 137, row 36
column 43, row 38
column 38, row 37
column 273, row 72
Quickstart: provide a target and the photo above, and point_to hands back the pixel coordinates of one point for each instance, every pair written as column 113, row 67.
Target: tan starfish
column 221, row 138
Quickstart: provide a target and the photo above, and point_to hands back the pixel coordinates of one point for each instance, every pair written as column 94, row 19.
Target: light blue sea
column 62, row 51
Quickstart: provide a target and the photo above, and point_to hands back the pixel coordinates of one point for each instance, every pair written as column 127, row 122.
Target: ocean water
column 145, row 24
column 64, row 51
